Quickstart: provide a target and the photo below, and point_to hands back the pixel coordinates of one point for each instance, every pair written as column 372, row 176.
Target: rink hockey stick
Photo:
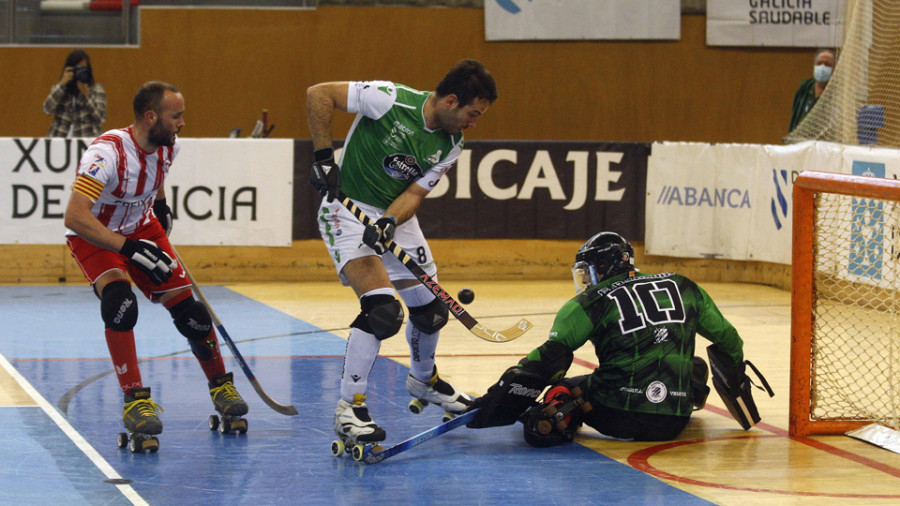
column 288, row 410
column 442, row 295
column 373, row 457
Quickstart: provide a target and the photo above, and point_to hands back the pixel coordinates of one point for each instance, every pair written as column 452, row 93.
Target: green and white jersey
column 643, row 329
column 389, row 147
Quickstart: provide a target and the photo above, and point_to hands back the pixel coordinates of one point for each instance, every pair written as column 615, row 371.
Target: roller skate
column 355, row 429
column 141, row 422
column 229, row 404
column 439, row 392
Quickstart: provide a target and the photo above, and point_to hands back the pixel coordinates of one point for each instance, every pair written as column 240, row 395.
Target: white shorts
column 342, row 234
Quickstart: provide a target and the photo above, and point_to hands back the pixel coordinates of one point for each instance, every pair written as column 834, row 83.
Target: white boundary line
column 72, row 434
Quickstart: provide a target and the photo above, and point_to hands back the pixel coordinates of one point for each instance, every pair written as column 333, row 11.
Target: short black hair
column 468, row 80
column 149, row 97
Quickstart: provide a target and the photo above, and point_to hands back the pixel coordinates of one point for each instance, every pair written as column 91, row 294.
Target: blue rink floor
column 53, row 337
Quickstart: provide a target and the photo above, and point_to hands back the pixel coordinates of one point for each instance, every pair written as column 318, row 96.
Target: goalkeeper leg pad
column 699, row 389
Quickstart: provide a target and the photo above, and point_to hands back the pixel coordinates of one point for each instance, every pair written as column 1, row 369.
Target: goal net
column 862, row 99
column 845, row 326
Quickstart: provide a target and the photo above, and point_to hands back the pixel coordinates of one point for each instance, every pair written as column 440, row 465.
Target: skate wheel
column 416, row 406
column 447, row 416
column 151, row 445
column 337, row 448
column 122, row 440
column 213, row 422
column 134, row 444
column 242, row 426
column 358, row 452
column 226, row 426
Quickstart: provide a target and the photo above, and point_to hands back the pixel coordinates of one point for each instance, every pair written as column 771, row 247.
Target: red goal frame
column 806, row 186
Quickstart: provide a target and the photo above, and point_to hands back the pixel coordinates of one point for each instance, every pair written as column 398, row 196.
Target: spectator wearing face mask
column 77, row 103
column 811, row 89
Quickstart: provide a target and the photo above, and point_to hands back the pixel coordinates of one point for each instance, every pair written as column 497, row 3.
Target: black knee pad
column 118, row 306
column 191, row 319
column 381, row 315
column 429, row 318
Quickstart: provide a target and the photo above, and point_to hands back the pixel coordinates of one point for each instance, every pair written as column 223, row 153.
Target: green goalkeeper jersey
column 389, row 146
column 643, row 329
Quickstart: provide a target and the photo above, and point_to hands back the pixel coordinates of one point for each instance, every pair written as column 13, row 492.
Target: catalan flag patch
column 88, row 186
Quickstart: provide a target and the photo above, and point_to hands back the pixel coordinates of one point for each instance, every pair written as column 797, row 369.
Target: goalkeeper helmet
column 604, row 255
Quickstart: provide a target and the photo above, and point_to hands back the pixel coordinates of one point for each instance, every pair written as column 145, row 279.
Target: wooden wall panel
column 232, row 63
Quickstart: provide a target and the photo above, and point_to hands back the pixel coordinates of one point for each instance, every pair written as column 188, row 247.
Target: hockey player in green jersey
column 642, row 326
column 400, row 144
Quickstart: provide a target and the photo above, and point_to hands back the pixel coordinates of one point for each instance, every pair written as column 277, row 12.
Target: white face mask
column 822, row 73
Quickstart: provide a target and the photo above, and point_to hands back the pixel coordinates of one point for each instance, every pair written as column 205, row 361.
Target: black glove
column 164, row 214
column 491, row 414
column 376, row 235
column 515, row 392
column 147, row 256
column 325, row 175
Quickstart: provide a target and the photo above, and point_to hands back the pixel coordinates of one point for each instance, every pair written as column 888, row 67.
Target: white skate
column 355, row 428
column 439, row 392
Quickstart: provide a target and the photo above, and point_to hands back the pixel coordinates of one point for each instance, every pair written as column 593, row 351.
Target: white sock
column 362, row 348
column 422, row 346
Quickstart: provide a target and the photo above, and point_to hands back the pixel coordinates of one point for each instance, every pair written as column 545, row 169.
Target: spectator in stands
column 811, row 89
column 77, row 103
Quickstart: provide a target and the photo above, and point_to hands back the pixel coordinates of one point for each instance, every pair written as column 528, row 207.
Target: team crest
column 657, row 392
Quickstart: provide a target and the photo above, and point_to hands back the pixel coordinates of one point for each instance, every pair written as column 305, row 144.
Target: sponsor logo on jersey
column 656, row 392
column 661, row 335
column 401, row 166
column 435, row 158
column 94, row 169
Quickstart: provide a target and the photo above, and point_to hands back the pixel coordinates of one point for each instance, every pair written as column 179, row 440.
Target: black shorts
column 623, row 424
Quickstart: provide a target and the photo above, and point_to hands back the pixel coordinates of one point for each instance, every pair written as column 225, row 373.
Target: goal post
column 845, row 323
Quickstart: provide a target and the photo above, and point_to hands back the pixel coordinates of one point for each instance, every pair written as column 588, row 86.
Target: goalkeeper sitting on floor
column 648, row 380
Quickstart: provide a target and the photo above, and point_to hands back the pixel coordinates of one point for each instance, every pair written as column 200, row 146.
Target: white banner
column 734, row 201
column 582, row 19
column 234, row 192
column 786, row 23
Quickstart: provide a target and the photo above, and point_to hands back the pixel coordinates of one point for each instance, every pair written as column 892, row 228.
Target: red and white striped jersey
column 122, row 179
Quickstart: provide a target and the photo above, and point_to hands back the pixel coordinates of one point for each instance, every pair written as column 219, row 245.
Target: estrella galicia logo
column 509, row 6
column 779, row 201
column 401, row 166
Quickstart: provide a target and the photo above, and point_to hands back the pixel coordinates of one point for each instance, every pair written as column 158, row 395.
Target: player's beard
column 161, row 136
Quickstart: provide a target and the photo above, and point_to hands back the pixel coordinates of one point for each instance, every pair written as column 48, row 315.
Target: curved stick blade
column 502, row 336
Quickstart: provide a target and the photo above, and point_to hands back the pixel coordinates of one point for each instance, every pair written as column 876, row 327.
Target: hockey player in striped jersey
column 400, row 144
column 118, row 222
column 642, row 327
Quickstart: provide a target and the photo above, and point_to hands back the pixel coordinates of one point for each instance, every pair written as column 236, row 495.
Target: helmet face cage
column 603, row 255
